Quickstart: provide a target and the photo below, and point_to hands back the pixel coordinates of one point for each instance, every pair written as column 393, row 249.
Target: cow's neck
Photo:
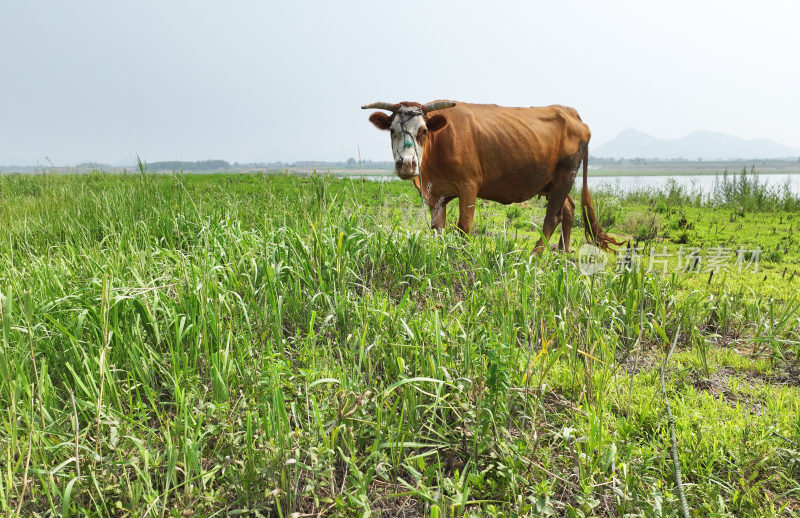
column 423, row 179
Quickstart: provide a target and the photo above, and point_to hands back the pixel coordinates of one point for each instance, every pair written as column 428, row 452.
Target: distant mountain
column 708, row 145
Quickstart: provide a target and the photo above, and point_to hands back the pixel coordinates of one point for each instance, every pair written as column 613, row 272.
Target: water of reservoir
column 692, row 183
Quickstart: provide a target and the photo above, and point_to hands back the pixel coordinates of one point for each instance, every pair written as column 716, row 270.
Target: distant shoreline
column 657, row 172
column 661, row 169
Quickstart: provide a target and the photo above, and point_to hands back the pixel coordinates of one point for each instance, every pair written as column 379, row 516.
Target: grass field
column 177, row 345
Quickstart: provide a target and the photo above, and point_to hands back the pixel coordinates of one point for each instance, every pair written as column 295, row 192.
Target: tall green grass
column 210, row 345
column 746, row 190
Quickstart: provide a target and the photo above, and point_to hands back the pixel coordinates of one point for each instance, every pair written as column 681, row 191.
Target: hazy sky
column 268, row 80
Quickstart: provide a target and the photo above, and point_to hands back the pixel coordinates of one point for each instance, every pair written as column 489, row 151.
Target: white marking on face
column 406, row 146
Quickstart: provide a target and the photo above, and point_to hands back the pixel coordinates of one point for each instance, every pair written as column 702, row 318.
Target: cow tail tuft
column 594, row 232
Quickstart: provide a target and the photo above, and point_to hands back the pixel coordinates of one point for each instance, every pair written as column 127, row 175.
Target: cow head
column 409, row 126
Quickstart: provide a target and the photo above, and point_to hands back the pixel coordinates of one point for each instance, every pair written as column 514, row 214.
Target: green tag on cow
column 408, row 143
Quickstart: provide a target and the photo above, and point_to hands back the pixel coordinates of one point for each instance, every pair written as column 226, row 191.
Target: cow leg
column 559, row 205
column 439, row 213
column 466, row 209
column 552, row 218
column 567, row 217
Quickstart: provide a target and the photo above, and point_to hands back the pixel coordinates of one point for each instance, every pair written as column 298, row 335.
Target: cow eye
column 423, row 131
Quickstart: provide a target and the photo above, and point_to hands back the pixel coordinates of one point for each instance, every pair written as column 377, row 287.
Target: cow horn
column 437, row 106
column 381, row 106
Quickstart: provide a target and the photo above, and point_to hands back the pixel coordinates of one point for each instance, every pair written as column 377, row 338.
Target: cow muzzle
column 406, row 167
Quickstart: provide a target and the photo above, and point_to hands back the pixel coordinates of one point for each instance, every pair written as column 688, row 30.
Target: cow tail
column 594, row 232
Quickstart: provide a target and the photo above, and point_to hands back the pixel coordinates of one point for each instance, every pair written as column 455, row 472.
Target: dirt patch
column 557, row 404
column 384, row 500
column 644, row 360
column 463, row 280
column 787, row 375
column 718, row 384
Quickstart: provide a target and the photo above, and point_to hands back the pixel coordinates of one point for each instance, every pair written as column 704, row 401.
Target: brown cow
column 496, row 153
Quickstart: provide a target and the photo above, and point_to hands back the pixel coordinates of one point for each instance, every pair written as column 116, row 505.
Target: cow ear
column 380, row 120
column 436, row 123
